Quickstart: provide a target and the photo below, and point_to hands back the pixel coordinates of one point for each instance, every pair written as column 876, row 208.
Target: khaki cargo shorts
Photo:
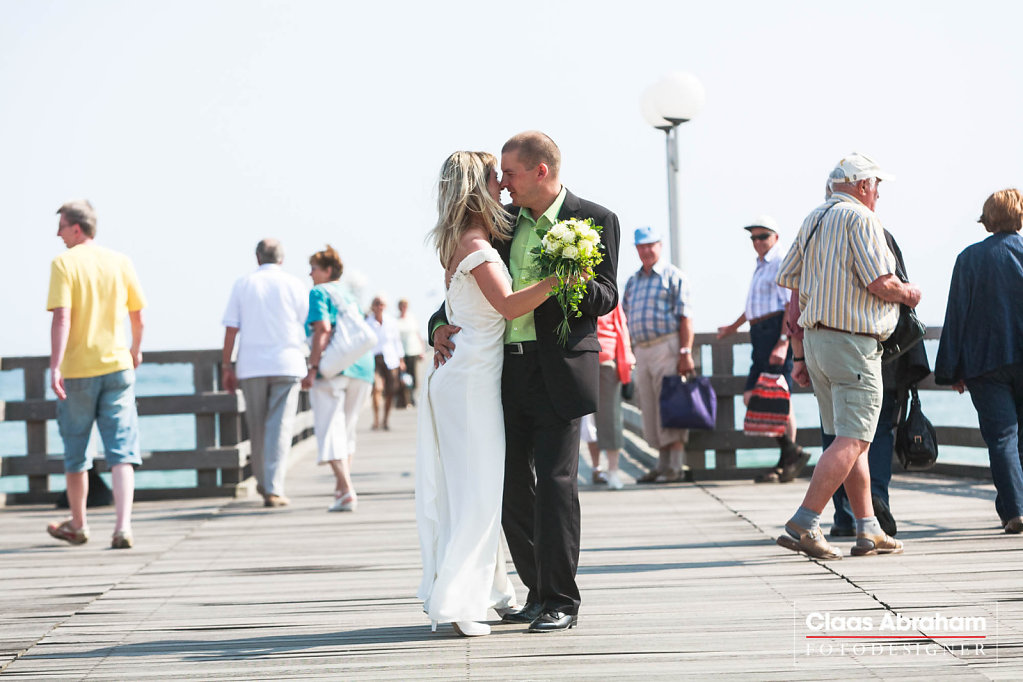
column 845, row 370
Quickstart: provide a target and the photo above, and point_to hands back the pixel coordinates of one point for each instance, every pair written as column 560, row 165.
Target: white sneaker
column 347, row 502
column 470, row 628
column 614, row 481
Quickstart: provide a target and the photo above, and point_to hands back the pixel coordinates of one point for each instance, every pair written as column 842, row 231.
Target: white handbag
column 350, row 339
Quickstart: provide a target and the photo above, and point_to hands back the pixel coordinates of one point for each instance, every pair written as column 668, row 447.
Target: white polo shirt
column 388, row 340
column 269, row 308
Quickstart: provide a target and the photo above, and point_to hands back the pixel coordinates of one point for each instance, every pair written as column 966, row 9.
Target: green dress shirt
column 522, row 263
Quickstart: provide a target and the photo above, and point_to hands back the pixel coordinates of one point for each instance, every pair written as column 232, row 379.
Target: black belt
column 520, row 348
column 764, row 318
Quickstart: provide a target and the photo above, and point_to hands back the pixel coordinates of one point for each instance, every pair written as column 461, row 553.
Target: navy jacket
column 984, row 319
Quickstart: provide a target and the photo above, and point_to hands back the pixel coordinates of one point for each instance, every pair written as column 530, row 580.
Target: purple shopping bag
column 688, row 404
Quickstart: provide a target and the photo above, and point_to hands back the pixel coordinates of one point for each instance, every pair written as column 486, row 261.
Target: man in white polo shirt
column 268, row 307
column 765, row 312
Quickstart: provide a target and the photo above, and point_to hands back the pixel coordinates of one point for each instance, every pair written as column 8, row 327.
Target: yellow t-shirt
column 99, row 287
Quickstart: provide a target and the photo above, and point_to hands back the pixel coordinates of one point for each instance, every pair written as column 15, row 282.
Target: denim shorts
column 108, row 401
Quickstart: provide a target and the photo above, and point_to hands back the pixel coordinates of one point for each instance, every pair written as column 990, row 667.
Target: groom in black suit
column 546, row 387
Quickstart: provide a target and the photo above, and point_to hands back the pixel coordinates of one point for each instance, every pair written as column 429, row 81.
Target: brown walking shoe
column 810, row 542
column 669, row 476
column 272, row 500
column 649, row 477
column 868, row 544
column 122, row 540
column 64, row 531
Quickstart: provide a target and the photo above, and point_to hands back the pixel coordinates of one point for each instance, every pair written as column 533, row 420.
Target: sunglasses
column 759, row 237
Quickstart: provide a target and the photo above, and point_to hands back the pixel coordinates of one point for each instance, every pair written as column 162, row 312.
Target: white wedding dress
column 460, row 461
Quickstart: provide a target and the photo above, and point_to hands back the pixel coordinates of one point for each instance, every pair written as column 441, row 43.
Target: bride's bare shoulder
column 473, row 240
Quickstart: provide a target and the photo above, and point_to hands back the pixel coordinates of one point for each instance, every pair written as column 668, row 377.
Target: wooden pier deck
column 679, row 581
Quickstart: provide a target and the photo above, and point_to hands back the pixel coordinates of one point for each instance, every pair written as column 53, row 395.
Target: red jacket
column 624, row 359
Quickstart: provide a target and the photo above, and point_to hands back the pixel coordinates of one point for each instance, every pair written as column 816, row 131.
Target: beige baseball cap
column 856, row 167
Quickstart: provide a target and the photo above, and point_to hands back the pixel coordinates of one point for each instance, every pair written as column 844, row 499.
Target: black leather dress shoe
column 553, row 621
column 527, row 614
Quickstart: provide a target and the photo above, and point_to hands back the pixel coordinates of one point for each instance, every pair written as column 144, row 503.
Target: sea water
column 162, row 432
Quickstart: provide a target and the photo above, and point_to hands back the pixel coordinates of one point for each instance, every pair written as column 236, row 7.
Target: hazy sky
column 196, row 128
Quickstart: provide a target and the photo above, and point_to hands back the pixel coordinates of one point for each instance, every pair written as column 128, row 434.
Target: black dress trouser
column 541, row 510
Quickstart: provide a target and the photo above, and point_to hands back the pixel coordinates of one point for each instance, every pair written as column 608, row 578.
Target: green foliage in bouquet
column 568, row 250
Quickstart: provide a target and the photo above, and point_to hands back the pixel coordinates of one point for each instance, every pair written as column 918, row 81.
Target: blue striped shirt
column 655, row 303
column 765, row 296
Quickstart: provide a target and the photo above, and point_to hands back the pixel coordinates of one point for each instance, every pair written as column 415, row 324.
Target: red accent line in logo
column 896, row 637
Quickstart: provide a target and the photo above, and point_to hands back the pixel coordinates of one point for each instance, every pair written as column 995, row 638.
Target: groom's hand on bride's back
column 443, row 346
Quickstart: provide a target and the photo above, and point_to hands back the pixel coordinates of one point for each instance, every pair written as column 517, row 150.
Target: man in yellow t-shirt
column 92, row 370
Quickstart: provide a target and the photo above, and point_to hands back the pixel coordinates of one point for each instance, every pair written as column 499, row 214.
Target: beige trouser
column 652, row 364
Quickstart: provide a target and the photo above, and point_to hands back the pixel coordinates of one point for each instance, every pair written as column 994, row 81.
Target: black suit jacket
column 571, row 372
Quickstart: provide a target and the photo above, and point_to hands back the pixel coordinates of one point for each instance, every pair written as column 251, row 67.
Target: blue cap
column 646, row 235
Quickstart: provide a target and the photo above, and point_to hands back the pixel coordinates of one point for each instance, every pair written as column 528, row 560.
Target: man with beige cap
column 848, row 299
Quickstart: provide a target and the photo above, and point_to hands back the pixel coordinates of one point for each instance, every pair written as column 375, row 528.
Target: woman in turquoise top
column 336, row 401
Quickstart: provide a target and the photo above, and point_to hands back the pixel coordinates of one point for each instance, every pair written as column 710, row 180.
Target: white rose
column 591, row 234
column 586, row 248
column 570, row 252
column 560, row 232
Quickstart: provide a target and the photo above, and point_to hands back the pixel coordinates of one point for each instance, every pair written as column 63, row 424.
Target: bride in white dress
column 460, row 451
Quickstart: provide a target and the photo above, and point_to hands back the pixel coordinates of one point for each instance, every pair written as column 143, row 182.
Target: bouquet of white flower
column 568, row 250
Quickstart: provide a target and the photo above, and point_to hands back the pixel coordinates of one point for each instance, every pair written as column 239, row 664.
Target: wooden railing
column 220, row 457
column 726, row 439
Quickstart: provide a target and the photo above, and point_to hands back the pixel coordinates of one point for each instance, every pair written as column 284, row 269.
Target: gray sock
column 805, row 518
column 868, row 525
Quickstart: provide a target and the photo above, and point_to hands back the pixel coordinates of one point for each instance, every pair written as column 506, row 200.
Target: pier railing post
column 35, row 431
column 722, row 363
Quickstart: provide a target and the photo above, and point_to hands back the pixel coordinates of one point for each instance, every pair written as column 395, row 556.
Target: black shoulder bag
column 909, row 330
column 916, row 443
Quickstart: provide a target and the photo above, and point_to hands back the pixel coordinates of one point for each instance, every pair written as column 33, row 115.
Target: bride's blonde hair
column 463, row 201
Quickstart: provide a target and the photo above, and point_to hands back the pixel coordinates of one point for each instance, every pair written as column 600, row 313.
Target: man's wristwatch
column 784, row 337
column 685, row 351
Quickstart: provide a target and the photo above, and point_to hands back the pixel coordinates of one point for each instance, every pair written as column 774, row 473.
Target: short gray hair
column 269, row 251
column 80, row 212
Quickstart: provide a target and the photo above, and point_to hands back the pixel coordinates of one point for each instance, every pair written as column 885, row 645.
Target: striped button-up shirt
column 765, row 296
column 833, row 270
column 655, row 303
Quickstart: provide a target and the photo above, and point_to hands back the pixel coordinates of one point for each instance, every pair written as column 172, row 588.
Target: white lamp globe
column 678, row 97
column 648, row 107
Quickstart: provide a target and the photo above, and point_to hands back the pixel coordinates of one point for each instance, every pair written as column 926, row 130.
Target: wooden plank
column 677, row 580
column 210, row 403
column 160, row 460
column 157, row 357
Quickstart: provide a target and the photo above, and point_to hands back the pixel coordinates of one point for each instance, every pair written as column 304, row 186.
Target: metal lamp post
column 673, row 100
